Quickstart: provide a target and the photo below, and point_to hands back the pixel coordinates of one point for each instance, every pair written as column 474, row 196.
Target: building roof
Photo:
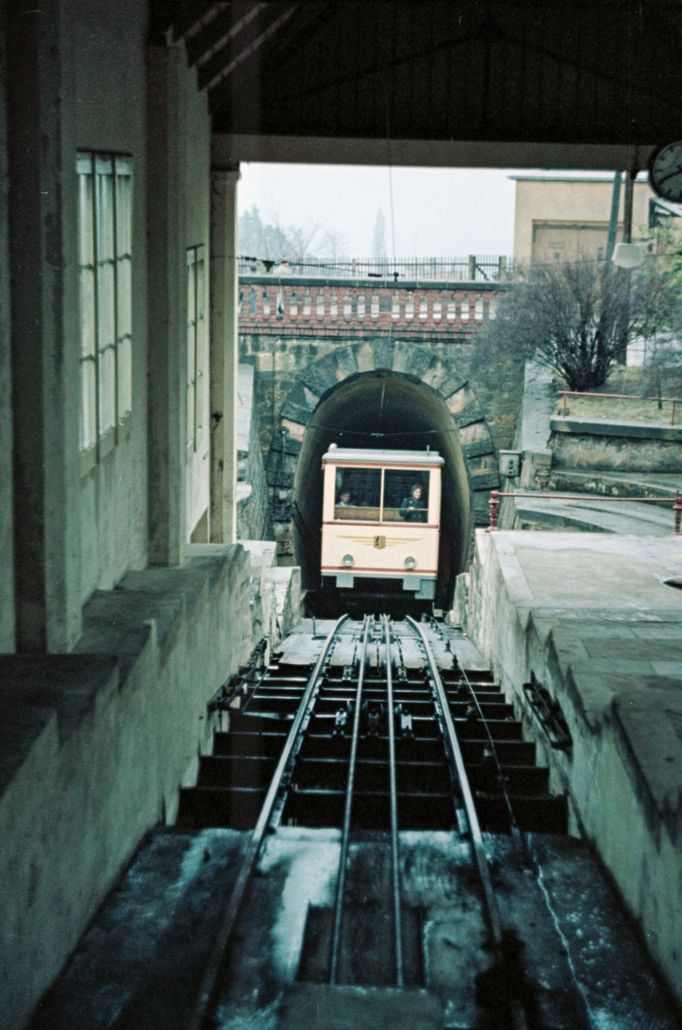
column 359, row 456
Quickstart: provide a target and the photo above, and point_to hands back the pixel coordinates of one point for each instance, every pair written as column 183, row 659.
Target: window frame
column 196, row 346
column 105, row 249
column 425, row 472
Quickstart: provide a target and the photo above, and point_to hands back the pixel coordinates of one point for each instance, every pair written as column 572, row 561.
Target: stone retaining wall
column 613, row 664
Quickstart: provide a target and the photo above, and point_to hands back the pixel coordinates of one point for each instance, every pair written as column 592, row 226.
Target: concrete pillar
column 7, row 640
column 45, row 334
column 167, row 306
column 224, row 354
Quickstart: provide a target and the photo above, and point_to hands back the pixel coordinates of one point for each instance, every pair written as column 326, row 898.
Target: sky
column 430, row 211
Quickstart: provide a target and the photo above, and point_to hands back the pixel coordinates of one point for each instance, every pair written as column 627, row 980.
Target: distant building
column 558, row 218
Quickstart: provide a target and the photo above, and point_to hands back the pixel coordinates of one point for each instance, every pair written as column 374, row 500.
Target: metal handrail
column 495, row 495
column 621, row 397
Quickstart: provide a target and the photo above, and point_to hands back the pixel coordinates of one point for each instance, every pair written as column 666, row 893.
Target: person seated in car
column 412, row 508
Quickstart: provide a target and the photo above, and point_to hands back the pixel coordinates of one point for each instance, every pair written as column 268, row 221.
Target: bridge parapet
column 314, row 306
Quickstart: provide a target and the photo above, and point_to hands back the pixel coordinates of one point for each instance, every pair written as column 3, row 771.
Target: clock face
column 665, row 171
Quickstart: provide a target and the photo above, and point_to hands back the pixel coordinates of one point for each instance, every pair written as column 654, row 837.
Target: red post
column 494, row 506
column 677, row 509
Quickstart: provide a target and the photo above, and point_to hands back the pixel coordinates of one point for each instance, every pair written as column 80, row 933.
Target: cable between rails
column 347, row 814
column 393, row 787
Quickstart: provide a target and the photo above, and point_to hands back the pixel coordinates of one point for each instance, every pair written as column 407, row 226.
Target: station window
column 358, row 494
column 197, row 356
column 105, row 183
column 266, row 304
column 406, row 496
column 320, row 305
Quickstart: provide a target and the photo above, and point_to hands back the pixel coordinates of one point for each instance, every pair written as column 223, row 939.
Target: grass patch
column 641, row 406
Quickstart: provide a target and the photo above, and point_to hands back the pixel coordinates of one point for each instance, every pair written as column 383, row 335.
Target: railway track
column 389, row 852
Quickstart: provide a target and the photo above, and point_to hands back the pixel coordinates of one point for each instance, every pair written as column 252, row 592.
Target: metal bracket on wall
column 548, row 713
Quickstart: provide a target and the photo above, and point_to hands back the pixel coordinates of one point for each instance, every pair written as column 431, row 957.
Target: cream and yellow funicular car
column 381, row 519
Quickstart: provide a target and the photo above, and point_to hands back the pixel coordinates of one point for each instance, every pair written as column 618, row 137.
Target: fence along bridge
column 424, row 299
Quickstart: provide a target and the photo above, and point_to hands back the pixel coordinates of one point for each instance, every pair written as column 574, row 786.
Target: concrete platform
column 593, row 619
column 138, row 964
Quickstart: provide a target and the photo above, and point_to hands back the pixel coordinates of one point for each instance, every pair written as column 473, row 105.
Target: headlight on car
column 347, row 561
column 410, row 562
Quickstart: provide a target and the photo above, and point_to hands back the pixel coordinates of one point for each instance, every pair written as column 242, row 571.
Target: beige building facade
column 558, row 218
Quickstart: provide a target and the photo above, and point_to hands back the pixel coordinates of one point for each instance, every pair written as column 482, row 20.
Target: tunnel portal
column 388, row 410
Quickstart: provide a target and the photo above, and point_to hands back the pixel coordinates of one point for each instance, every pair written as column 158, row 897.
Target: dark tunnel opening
column 383, row 410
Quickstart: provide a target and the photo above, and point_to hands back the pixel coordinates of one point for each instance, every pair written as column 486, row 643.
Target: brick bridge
column 309, row 337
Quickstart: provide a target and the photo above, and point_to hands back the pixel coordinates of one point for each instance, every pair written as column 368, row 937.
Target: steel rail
column 393, row 787
column 517, row 1015
column 207, row 989
column 516, row 831
column 348, row 811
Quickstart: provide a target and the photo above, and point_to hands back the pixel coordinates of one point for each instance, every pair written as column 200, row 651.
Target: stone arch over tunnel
column 392, row 394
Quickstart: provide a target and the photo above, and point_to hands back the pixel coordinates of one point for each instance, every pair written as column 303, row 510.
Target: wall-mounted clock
column 665, row 171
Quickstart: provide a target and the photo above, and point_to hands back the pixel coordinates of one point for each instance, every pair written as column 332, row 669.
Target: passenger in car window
column 412, row 508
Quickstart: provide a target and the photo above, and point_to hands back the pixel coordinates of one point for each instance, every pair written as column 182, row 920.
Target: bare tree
column 578, row 317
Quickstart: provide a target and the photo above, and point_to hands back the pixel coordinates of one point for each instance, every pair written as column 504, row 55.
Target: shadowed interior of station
column 397, row 412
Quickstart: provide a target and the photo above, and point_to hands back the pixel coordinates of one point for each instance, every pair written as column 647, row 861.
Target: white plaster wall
column 6, row 544
column 109, row 41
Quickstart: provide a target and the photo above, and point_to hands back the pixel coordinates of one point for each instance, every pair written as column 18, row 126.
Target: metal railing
column 622, row 397
column 469, row 268
column 495, row 495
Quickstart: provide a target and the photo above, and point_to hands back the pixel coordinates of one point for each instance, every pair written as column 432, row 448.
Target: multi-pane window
column 105, row 273
column 196, row 345
column 381, row 495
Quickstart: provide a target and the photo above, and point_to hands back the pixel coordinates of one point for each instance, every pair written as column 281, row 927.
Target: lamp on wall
column 628, row 255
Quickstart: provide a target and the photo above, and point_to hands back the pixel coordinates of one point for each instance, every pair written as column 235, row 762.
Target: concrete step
column 596, row 516
column 233, row 807
column 423, row 809
column 236, row 770
column 610, row 482
column 238, row 742
column 323, row 1007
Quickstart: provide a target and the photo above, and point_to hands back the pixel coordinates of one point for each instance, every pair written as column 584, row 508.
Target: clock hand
column 671, row 175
